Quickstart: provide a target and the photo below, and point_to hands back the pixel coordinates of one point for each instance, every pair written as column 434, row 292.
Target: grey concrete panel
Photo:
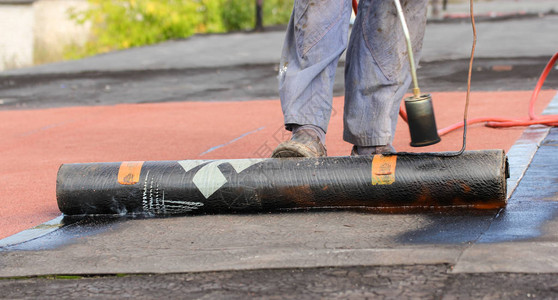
column 531, row 219
column 233, row 242
column 510, row 257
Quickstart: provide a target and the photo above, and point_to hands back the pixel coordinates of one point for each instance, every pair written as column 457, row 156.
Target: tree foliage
column 120, row 24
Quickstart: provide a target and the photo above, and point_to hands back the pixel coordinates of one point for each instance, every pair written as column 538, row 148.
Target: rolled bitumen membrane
column 474, row 179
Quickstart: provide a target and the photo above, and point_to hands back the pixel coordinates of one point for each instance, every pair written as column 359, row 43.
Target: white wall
column 16, row 35
column 54, row 30
column 38, row 32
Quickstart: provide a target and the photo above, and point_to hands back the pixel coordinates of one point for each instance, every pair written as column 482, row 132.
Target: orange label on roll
column 383, row 169
column 129, row 172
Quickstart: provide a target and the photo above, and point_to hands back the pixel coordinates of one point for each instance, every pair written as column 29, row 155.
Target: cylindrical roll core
column 475, row 179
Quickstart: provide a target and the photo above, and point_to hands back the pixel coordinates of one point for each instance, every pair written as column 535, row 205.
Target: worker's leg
column 377, row 69
column 316, row 36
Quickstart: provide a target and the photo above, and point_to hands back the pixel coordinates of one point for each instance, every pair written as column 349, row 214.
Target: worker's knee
column 313, row 19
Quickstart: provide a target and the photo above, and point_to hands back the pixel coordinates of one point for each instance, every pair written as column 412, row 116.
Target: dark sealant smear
column 523, row 221
column 74, row 228
column 450, row 228
column 532, row 205
column 70, row 231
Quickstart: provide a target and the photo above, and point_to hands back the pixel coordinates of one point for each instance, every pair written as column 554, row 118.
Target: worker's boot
column 305, row 142
column 372, row 150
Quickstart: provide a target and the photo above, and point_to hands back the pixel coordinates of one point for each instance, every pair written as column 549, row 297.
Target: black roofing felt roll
column 475, row 179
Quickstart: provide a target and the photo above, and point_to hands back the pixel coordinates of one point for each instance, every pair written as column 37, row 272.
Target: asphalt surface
column 376, row 282
column 244, row 82
column 506, row 254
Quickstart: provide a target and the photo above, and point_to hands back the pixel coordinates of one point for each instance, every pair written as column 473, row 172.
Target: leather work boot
column 303, row 143
column 372, row 150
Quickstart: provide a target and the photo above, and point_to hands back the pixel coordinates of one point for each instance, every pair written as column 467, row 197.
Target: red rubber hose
column 549, row 120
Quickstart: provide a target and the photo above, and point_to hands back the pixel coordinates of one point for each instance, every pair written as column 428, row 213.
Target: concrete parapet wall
column 54, row 30
column 34, row 32
column 16, row 34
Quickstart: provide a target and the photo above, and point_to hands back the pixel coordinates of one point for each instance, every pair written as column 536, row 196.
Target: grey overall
column 376, row 70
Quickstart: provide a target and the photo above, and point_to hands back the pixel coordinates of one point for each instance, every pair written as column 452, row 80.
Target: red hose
column 549, row 120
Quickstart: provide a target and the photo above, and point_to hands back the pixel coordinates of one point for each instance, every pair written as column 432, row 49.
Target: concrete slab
column 530, row 220
column 234, row 242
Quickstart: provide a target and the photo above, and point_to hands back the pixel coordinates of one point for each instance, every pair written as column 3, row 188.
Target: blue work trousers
column 377, row 71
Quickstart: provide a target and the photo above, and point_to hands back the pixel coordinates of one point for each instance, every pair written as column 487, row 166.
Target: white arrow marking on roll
column 209, row 178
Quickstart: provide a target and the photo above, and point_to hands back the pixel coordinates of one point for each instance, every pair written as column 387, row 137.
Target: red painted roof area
column 36, row 142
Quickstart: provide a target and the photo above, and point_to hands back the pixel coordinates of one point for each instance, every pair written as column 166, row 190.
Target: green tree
column 120, row 24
